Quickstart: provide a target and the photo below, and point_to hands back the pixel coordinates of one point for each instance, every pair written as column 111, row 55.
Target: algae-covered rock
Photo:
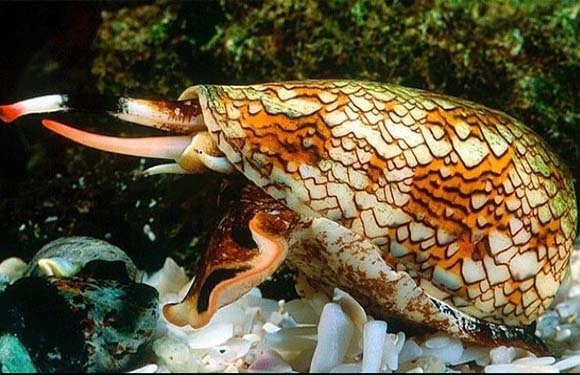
column 76, row 307
column 80, row 325
column 14, row 356
column 86, row 256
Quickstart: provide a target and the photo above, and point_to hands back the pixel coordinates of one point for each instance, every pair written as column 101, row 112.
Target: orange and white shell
column 470, row 202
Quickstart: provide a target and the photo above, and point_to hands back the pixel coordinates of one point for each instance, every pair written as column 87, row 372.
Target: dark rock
column 81, row 325
column 87, row 257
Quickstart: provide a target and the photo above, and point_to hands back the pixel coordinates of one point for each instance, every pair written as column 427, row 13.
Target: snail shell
column 470, row 202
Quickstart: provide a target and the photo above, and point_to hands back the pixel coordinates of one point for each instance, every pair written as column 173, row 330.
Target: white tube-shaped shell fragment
column 524, row 369
column 374, row 334
column 334, row 333
column 391, row 349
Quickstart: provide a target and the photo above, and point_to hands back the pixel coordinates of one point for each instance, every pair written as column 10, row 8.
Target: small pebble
column 502, row 355
column 410, row 351
column 563, row 334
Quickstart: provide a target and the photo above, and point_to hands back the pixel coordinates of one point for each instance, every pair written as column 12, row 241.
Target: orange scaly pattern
column 473, row 204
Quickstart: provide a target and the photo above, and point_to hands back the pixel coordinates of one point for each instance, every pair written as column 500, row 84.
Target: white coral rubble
column 259, row 335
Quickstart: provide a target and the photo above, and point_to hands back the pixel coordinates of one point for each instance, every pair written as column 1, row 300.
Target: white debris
column 169, row 279
column 175, row 355
column 477, row 354
column 301, row 312
column 334, row 333
column 149, row 233
column 391, row 349
column 542, row 361
column 317, row 334
column 511, row 368
column 269, row 362
column 568, row 309
column 447, row 349
column 410, row 352
column 375, row 333
column 348, row 368
column 568, row 363
column 147, row 369
column 213, row 335
column 270, row 327
column 563, row 334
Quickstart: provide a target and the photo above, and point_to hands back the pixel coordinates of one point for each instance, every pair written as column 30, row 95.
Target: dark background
column 40, row 173
column 518, row 57
column 26, row 28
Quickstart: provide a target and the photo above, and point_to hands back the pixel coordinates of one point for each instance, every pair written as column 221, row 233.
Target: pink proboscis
column 167, row 147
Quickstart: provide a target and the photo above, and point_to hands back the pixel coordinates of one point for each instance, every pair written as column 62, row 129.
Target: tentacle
column 170, row 168
column 41, row 104
column 181, row 117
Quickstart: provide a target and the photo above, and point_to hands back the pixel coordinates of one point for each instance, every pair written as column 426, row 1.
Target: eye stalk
column 179, row 117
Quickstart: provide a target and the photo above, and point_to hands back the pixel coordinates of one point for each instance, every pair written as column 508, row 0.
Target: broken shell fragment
column 334, row 333
column 374, row 339
column 58, row 267
column 169, row 279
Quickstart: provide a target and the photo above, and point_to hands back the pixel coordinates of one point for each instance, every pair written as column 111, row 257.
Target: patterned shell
column 467, row 200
